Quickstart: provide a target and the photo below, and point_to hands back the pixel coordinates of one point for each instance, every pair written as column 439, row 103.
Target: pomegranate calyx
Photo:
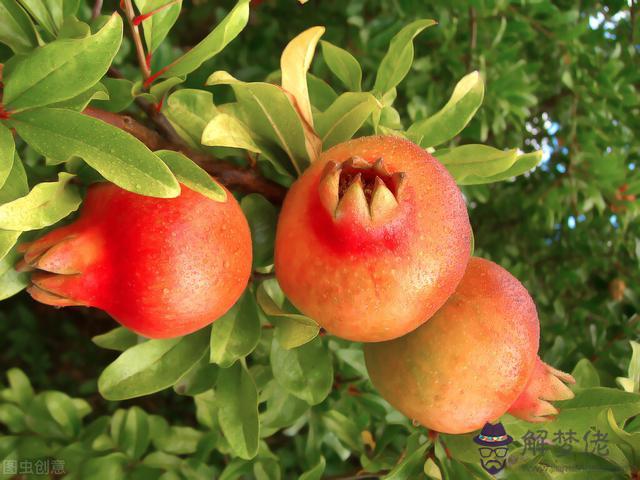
column 545, row 385
column 360, row 190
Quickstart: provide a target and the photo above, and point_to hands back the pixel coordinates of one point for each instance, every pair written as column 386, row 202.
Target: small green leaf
column 306, row 371
column 16, row 29
column 262, row 217
column 191, row 175
column 632, row 382
column 7, row 153
column 189, row 111
column 118, row 339
column 586, row 374
column 316, row 472
column 292, row 329
column 470, row 164
column 214, row 43
column 108, row 466
column 269, row 114
column 524, row 163
column 396, row 63
column 43, row 13
column 344, row 117
column 236, row 333
column 152, row 366
column 79, row 102
column 12, row 417
column 238, row 410
column 200, row 378
column 46, row 204
column 20, row 386
column 120, row 96
column 454, row 116
column 158, row 25
column 61, row 69
column 130, row 431
column 53, row 414
column 343, row 65
column 120, row 158
column 227, row 131
column 11, row 281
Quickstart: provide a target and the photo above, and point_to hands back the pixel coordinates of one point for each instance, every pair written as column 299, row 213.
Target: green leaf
column 238, row 410
column 268, row 113
column 410, row 465
column 524, row 163
column 79, row 102
column 586, row 374
column 178, row 440
column 7, row 153
column 120, row 96
column 53, row 414
column 214, row 43
column 11, row 281
column 15, row 186
column 344, row 117
column 119, row 157
column 74, row 28
column 191, row 175
column 130, row 431
column 16, row 29
column 62, row 69
column 292, row 329
column 45, row 13
column 157, row 26
column 108, row 466
column 470, row 164
column 46, row 204
column 454, row 116
column 236, row 333
column 632, row 382
column 118, row 339
column 262, row 217
column 396, row 63
column 152, row 366
column 227, row 131
column 12, row 417
column 316, row 472
column 200, row 378
column 306, row 371
column 21, row 389
column 189, row 111
column 343, row 65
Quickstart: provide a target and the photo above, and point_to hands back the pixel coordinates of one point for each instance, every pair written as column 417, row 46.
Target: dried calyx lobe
column 357, row 187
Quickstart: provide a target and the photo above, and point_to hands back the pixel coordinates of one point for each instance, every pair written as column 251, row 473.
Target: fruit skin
column 373, row 280
column 161, row 267
column 472, row 360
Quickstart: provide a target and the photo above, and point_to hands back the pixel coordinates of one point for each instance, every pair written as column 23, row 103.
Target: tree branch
column 96, row 10
column 473, row 36
column 137, row 39
column 236, row 178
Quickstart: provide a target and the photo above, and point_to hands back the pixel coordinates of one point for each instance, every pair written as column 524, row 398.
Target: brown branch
column 97, row 9
column 473, row 36
column 137, row 39
column 245, row 180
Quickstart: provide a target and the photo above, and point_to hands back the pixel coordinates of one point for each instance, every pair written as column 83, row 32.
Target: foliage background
column 562, row 76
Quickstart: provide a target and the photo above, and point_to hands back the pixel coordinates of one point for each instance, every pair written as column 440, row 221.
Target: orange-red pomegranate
column 473, row 361
column 161, row 267
column 372, row 239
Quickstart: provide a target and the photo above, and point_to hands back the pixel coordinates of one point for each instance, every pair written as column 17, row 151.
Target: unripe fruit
column 472, row 361
column 372, row 239
column 161, row 267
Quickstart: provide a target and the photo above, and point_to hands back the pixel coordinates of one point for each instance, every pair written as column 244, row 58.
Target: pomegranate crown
column 357, row 188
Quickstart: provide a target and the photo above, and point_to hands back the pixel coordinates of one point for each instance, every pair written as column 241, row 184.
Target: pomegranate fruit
column 472, row 361
column 161, row 267
column 372, row 239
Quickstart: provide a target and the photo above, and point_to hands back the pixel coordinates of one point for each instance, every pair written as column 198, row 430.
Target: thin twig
column 137, row 39
column 246, row 180
column 97, row 9
column 473, row 36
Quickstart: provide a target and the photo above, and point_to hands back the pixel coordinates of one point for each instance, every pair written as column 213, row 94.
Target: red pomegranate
column 372, row 239
column 161, row 267
column 475, row 360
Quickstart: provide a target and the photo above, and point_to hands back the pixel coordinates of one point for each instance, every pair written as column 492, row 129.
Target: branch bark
column 245, row 180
